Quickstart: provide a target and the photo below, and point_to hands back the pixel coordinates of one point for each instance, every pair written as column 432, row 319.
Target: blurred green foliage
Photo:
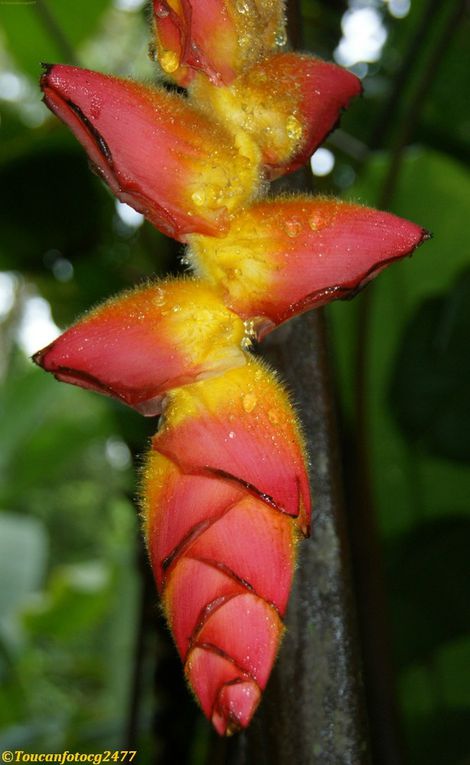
column 417, row 387
column 70, row 591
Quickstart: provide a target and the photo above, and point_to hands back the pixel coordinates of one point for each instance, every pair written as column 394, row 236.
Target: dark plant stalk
column 313, row 710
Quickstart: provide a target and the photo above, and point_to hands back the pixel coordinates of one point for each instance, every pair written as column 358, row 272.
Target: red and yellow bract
column 221, row 38
column 283, row 256
column 148, row 341
column 287, row 103
column 225, row 493
column 163, row 156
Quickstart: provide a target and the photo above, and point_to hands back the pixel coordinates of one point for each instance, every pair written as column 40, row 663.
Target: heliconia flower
column 288, row 103
column 157, row 153
column 223, row 560
column 225, row 489
column 284, row 256
column 221, row 38
column 140, row 344
column 240, row 426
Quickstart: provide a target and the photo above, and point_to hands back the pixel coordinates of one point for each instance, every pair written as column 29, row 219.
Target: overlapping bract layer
column 225, row 488
column 163, row 156
column 141, row 344
column 240, row 425
column 222, row 550
column 284, row 256
column 220, row 38
column 287, row 103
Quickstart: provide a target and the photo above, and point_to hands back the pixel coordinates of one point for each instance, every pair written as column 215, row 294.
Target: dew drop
column 169, row 61
column 314, row 222
column 162, row 11
column 281, row 37
column 293, row 227
column 242, row 7
column 293, row 128
column 273, row 416
column 199, row 198
column 249, row 402
column 250, row 329
column 159, row 297
column 231, row 434
column 96, row 105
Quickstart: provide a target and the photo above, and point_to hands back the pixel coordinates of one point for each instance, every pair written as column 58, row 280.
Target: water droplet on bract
column 249, row 402
column 314, row 222
column 212, row 194
column 96, row 105
column 293, row 227
column 169, row 61
column 159, row 297
column 231, row 434
column 199, row 198
column 162, row 11
column 281, row 37
column 176, row 308
column 273, row 417
column 250, row 329
column 242, row 7
column 293, row 128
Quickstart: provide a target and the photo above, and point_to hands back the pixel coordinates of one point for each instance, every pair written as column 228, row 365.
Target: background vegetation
column 82, row 666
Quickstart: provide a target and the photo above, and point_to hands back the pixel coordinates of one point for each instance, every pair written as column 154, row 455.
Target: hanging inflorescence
column 225, row 490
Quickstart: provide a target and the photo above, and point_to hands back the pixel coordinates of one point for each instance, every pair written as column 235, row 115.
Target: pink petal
column 178, row 506
column 256, row 544
column 235, row 706
column 139, row 344
column 287, row 103
column 210, row 674
column 247, row 630
column 216, row 37
column 241, row 427
column 155, row 151
column 293, row 254
column 194, row 590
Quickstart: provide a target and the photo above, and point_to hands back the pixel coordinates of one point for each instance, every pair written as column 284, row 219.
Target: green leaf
column 62, row 214
column 434, row 191
column 429, row 568
column 38, row 416
column 430, row 391
column 76, row 601
column 50, row 32
column 23, row 553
